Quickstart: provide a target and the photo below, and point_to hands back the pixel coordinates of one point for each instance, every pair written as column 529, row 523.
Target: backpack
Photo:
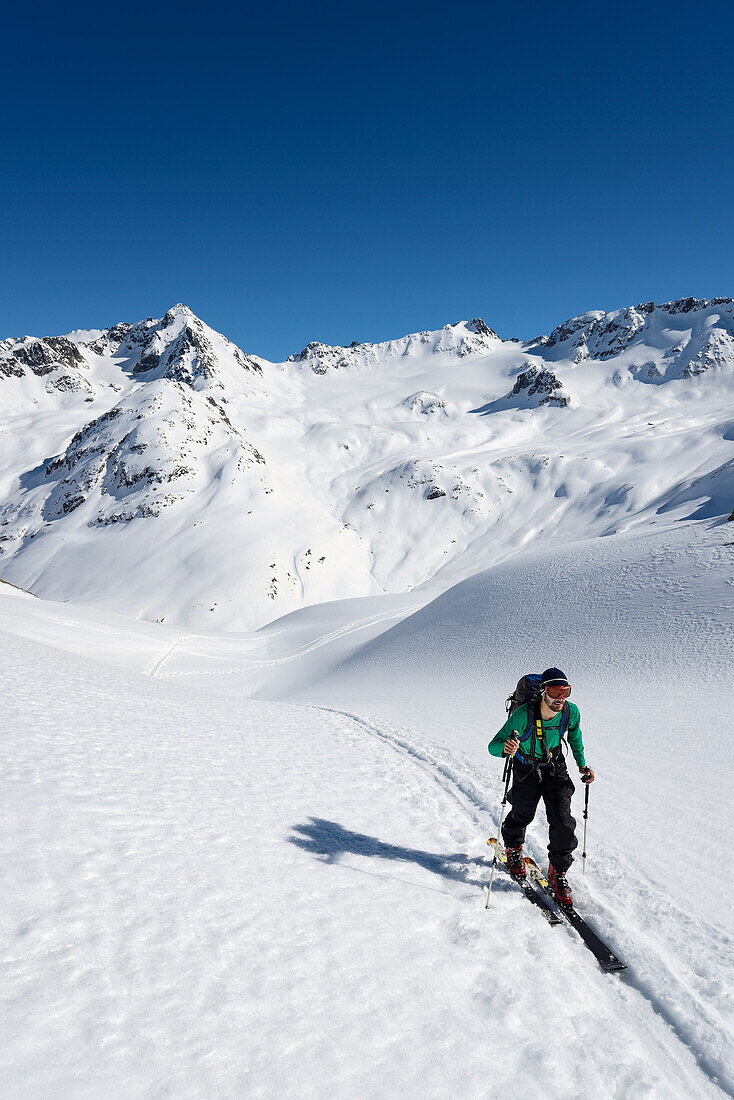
column 528, row 691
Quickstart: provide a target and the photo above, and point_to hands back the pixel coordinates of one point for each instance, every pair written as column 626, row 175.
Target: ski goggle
column 558, row 691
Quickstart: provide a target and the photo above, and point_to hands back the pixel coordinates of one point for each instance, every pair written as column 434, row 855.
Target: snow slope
column 214, row 896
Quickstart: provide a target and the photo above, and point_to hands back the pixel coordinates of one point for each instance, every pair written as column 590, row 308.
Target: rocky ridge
column 698, row 344
column 460, row 339
column 179, row 347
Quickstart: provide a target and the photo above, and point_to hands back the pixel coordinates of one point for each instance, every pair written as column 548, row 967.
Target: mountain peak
column 180, row 311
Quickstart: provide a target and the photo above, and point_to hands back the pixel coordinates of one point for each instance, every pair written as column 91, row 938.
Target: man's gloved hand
column 587, row 774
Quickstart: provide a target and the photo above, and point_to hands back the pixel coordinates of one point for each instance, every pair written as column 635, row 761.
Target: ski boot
column 515, row 862
column 559, row 886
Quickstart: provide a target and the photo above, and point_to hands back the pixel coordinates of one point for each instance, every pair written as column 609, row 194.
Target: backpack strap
column 534, row 730
column 530, row 724
column 562, row 728
column 541, row 736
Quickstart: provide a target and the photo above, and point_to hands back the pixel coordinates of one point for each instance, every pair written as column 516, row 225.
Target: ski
column 532, row 895
column 606, row 958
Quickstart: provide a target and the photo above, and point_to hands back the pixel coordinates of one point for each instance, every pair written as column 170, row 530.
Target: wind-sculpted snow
column 346, row 471
column 425, row 403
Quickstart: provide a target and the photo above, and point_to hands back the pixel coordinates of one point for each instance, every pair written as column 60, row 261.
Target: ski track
column 636, row 984
column 273, row 662
column 155, row 667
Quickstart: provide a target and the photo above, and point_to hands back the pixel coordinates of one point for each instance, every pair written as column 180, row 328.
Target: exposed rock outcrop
column 543, row 387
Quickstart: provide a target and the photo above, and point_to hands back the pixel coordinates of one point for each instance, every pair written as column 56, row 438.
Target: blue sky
column 319, row 171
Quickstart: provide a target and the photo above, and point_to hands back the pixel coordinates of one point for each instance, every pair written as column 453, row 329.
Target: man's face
column 561, row 694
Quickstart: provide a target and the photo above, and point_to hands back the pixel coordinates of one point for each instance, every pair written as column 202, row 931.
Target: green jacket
column 517, row 723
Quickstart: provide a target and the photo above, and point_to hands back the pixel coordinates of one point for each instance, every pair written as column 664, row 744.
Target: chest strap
column 534, row 731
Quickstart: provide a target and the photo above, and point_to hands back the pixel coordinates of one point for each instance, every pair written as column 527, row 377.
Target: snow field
column 210, row 896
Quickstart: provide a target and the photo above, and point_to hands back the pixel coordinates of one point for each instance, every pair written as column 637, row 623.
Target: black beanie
column 553, row 676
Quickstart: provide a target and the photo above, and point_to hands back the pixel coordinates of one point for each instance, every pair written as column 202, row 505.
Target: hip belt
column 554, row 756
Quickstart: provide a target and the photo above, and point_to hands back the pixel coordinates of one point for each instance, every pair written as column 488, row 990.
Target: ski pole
column 586, row 822
column 506, row 777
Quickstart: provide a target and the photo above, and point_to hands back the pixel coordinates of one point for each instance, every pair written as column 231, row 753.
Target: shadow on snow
column 329, row 841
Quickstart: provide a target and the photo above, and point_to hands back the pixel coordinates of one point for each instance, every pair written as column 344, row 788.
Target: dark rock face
column 322, row 357
column 715, row 351
column 537, row 381
column 610, row 335
column 187, row 357
column 66, row 352
column 48, row 354
column 149, row 360
column 575, row 327
column 435, row 493
column 481, row 328
column 123, row 338
column 9, row 365
column 684, row 305
column 310, row 349
column 246, row 361
column 689, row 305
column 53, row 358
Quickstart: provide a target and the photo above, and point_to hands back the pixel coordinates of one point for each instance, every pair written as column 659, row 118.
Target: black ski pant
column 554, row 786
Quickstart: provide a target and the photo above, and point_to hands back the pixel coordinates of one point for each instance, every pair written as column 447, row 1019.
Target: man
column 532, row 735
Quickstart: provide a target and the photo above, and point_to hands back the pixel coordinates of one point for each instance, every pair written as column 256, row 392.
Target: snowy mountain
column 158, row 470
column 253, row 862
